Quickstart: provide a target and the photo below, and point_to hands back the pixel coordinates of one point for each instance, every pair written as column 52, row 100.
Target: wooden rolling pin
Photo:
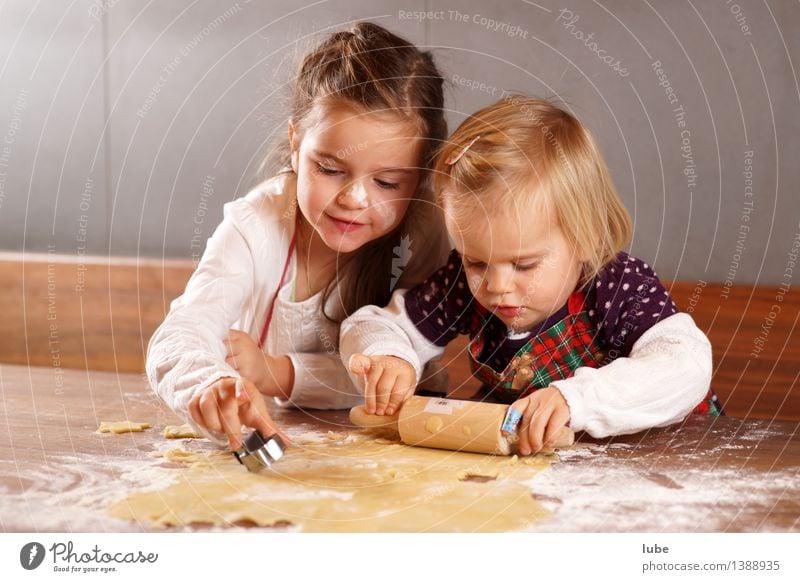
column 456, row 425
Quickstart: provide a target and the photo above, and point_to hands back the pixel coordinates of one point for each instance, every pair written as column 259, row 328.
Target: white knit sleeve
column 666, row 375
column 385, row 331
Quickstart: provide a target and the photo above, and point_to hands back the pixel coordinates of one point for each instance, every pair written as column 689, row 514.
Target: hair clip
column 454, row 158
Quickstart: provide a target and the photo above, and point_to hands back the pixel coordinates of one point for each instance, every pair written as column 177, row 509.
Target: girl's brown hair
column 376, row 70
column 528, row 147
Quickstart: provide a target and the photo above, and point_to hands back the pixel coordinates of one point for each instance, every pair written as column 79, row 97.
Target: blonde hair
column 523, row 147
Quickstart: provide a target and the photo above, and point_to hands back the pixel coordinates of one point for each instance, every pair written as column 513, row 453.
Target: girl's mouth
column 344, row 225
column 508, row 310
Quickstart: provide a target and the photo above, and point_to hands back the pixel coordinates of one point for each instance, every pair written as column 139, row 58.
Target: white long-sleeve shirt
column 664, row 376
column 232, row 288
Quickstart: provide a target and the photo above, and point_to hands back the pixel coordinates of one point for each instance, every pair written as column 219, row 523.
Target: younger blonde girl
column 563, row 323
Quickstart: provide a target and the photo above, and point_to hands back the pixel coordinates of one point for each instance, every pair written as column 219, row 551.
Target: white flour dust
column 589, row 490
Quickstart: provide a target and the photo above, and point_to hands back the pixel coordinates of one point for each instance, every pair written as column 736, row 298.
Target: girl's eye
column 475, row 264
column 327, row 171
column 387, row 185
column 526, row 266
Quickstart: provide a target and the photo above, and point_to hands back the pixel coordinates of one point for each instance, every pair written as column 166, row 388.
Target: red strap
column 575, row 303
column 280, row 286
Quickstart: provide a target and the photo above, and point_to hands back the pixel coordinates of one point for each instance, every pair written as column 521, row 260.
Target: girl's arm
column 416, row 325
column 666, row 374
column 315, row 379
column 321, row 381
column 386, row 331
column 186, row 353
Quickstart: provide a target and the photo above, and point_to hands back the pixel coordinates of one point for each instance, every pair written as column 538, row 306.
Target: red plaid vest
column 554, row 354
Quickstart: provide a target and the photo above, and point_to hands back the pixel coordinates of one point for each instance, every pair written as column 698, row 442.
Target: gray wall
column 126, row 125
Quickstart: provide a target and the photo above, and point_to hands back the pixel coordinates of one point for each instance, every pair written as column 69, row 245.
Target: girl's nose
column 353, row 196
column 498, row 280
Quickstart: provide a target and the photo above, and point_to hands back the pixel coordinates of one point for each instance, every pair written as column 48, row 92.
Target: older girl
column 329, row 233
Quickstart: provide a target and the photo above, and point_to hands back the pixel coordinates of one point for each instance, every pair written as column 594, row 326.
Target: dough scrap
column 183, row 431
column 433, row 424
column 119, row 427
column 349, row 484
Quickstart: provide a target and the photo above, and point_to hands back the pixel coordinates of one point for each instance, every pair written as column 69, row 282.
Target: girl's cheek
column 531, row 289
column 475, row 282
column 305, row 186
column 390, row 213
column 319, row 195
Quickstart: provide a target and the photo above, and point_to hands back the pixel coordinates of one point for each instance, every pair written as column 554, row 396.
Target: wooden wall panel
column 93, row 314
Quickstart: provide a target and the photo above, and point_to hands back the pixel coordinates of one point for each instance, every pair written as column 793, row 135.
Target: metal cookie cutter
column 258, row 452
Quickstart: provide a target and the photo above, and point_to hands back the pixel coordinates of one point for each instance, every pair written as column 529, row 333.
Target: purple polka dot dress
column 623, row 301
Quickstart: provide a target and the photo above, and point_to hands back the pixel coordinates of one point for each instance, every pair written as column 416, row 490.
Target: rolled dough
column 346, row 482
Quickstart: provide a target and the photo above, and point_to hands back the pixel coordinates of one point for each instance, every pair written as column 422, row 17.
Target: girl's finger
column 400, row 393
column 524, row 427
column 383, row 390
column 359, row 364
column 210, row 411
column 259, row 419
column 374, row 379
column 369, row 398
column 228, row 409
column 558, row 420
column 194, row 411
column 231, row 349
column 255, row 412
column 538, row 425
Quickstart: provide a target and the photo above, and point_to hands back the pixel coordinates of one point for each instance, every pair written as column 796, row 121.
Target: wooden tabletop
column 726, row 474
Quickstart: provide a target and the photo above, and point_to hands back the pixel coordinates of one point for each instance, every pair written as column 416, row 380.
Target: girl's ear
column 582, row 251
column 294, row 147
column 584, row 254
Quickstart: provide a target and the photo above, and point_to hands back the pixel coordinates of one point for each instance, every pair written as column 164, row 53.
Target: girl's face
column 356, row 173
column 521, row 267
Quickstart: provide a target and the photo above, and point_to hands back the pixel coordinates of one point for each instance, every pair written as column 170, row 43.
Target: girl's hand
column 544, row 413
column 390, row 381
column 273, row 376
column 230, row 403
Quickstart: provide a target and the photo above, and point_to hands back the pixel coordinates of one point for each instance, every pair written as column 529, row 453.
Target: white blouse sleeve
column 322, row 382
column 666, row 375
column 186, row 353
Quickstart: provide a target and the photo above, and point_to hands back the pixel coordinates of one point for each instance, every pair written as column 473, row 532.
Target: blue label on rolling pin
column 511, row 421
